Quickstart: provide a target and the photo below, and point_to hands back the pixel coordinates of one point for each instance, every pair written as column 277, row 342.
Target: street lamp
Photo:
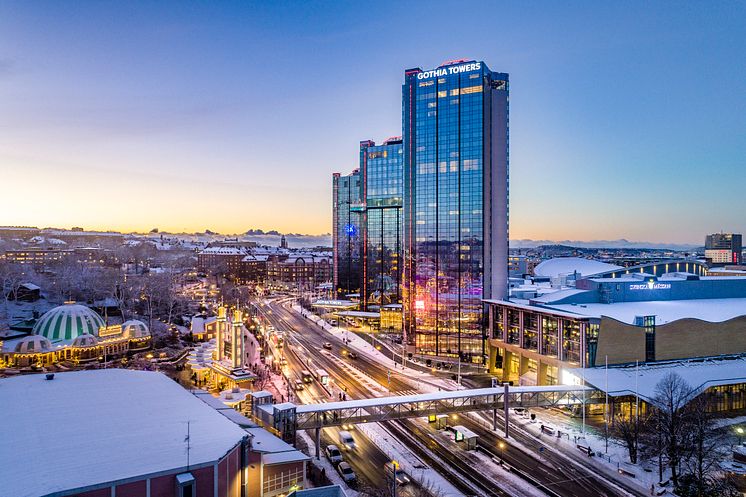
column 395, row 468
column 502, row 450
column 739, row 430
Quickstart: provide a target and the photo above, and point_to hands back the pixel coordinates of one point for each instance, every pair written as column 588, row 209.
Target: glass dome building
column 67, row 322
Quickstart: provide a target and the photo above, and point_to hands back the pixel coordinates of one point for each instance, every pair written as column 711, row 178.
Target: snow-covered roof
column 284, row 457
column 422, row 397
column 329, row 491
column 264, row 441
column 257, row 258
column 699, row 374
column 523, row 304
column 665, row 311
column 553, row 268
column 135, row 424
column 223, row 251
column 360, row 314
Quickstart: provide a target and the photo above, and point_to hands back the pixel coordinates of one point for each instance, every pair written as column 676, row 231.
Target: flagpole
column 606, row 405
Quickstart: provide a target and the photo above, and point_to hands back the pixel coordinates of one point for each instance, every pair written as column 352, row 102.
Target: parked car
column 346, row 472
column 333, row 454
column 345, row 438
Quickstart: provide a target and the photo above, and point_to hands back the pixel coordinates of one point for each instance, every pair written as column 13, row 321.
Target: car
column 327, row 346
column 346, row 472
column 352, row 355
column 333, row 454
column 298, row 385
column 345, row 438
column 401, row 477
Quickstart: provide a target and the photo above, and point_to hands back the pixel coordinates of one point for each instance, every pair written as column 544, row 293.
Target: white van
column 345, row 438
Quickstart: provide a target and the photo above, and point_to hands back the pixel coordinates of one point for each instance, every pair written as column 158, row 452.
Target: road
column 553, row 471
column 367, row 460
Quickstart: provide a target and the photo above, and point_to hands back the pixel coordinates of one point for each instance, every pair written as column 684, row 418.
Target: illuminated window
column 471, row 89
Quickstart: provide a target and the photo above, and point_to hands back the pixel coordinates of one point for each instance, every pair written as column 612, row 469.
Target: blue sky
column 628, row 120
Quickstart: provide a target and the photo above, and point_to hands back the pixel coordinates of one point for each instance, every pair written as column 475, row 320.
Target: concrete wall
column 621, row 342
column 692, row 337
column 682, row 339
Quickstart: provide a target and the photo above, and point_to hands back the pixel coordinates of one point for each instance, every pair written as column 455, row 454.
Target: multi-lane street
column 554, row 474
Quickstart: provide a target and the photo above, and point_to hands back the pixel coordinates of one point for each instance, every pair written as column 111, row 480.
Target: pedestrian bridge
column 287, row 418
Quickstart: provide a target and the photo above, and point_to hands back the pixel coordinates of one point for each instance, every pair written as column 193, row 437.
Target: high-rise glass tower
column 346, row 232
column 455, row 124
column 381, row 170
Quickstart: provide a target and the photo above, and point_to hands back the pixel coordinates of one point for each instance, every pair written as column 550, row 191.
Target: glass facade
column 381, row 167
column 455, row 122
column 346, row 232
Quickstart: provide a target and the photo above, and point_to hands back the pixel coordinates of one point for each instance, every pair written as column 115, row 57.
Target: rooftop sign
column 447, row 71
column 651, row 286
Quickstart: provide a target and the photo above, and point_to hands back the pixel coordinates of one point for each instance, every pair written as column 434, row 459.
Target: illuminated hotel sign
column 651, row 286
column 447, row 71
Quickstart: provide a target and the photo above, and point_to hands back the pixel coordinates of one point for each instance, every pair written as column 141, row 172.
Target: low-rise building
column 116, row 432
column 615, row 317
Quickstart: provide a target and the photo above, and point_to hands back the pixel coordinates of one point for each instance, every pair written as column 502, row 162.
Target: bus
column 322, row 376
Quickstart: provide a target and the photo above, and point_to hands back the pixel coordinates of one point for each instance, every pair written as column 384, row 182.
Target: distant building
column 17, row 232
column 221, row 259
column 347, row 205
column 517, row 265
column 283, row 242
column 723, row 248
column 37, row 257
column 298, row 271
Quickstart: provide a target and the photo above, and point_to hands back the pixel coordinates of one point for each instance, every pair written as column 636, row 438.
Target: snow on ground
column 566, row 446
column 410, row 463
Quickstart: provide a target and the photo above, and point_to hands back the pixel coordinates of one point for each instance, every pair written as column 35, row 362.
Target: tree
column 707, row 448
column 672, row 393
column 627, row 431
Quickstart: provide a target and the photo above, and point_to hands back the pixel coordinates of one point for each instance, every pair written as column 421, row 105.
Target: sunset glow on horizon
column 230, row 117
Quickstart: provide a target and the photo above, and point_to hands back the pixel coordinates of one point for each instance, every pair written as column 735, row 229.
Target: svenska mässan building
column 648, row 314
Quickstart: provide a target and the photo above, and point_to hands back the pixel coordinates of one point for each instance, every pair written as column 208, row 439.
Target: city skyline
column 136, row 117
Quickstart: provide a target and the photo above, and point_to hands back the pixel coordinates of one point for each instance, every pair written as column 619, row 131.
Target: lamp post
column 502, row 451
column 395, row 467
column 739, row 431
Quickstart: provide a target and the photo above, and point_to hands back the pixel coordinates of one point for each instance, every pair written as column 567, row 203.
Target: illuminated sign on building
column 651, row 286
column 447, row 71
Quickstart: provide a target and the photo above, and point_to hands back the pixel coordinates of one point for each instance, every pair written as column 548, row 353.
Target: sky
column 627, row 119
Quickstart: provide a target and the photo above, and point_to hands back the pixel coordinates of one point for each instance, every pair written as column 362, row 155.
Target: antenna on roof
column 188, row 440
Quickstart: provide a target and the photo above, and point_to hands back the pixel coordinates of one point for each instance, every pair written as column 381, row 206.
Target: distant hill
column 601, row 244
